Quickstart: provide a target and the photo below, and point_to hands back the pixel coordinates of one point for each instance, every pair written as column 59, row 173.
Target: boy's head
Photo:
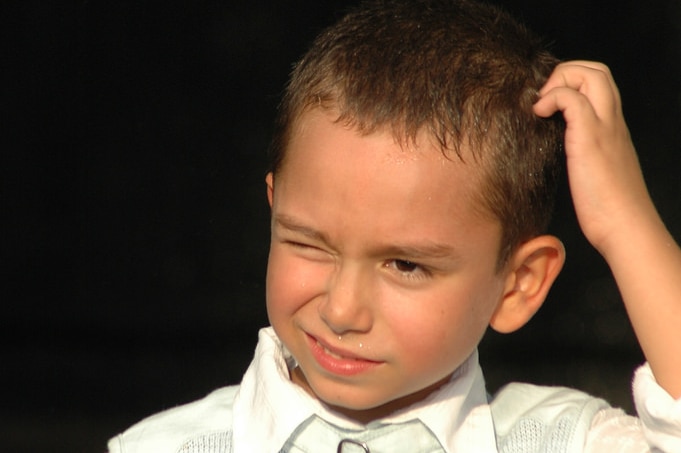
column 464, row 72
column 409, row 187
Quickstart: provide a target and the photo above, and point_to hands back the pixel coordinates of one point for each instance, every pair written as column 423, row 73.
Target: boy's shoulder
column 529, row 417
column 202, row 425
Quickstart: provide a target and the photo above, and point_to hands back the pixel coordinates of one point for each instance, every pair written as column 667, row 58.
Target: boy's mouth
column 338, row 361
column 333, row 354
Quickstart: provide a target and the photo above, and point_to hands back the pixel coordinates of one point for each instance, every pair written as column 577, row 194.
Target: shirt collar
column 269, row 407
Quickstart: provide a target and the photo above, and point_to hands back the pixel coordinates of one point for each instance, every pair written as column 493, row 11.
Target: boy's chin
column 371, row 409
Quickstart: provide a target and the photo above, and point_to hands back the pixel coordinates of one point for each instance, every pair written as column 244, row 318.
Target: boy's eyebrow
column 418, row 251
column 293, row 225
column 425, row 249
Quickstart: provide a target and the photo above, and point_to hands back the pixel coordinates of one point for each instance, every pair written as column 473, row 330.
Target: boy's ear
column 269, row 180
column 529, row 275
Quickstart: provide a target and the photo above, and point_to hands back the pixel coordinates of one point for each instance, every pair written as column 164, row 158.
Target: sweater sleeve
column 612, row 430
column 658, row 427
column 660, row 414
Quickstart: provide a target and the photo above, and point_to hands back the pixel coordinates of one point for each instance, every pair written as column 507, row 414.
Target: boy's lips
column 338, row 361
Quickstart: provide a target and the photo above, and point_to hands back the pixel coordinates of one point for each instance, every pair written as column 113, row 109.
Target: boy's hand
column 616, row 213
column 605, row 177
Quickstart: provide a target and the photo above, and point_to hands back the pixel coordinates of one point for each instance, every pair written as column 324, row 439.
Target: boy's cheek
column 293, row 281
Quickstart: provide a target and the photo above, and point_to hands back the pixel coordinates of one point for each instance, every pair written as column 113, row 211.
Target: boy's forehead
column 419, row 143
column 320, row 141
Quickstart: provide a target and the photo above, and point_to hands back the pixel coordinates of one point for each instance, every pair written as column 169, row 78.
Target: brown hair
column 466, row 72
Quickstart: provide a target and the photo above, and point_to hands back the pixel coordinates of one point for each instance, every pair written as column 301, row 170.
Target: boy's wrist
column 640, row 230
column 622, row 224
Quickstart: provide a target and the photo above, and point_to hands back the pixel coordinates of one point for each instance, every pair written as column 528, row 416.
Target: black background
column 134, row 221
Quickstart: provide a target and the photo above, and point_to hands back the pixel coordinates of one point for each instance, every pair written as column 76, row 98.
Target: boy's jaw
column 366, row 415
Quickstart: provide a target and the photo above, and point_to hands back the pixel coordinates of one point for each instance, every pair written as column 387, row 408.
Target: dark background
column 134, row 222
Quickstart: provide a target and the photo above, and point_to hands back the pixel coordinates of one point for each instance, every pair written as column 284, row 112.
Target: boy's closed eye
column 307, row 250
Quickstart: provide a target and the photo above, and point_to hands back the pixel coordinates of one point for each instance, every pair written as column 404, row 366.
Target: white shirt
column 458, row 413
column 267, row 408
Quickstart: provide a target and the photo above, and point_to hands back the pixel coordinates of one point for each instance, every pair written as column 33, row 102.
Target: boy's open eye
column 407, row 269
column 405, row 266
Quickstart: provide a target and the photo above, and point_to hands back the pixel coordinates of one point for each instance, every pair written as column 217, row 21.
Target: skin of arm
column 615, row 211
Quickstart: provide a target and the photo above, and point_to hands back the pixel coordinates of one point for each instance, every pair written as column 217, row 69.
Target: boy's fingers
column 576, row 65
column 575, row 106
column 595, row 65
column 575, row 73
column 592, row 80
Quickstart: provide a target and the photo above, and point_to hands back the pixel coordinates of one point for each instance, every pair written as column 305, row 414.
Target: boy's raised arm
column 616, row 212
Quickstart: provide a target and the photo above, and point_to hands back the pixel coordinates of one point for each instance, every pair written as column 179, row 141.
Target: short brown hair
column 466, row 72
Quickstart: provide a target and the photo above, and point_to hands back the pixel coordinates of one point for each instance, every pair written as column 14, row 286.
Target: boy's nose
column 347, row 305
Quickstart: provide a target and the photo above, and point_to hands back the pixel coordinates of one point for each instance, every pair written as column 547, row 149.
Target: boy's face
column 381, row 277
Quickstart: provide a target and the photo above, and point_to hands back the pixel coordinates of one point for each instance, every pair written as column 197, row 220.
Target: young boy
column 412, row 179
